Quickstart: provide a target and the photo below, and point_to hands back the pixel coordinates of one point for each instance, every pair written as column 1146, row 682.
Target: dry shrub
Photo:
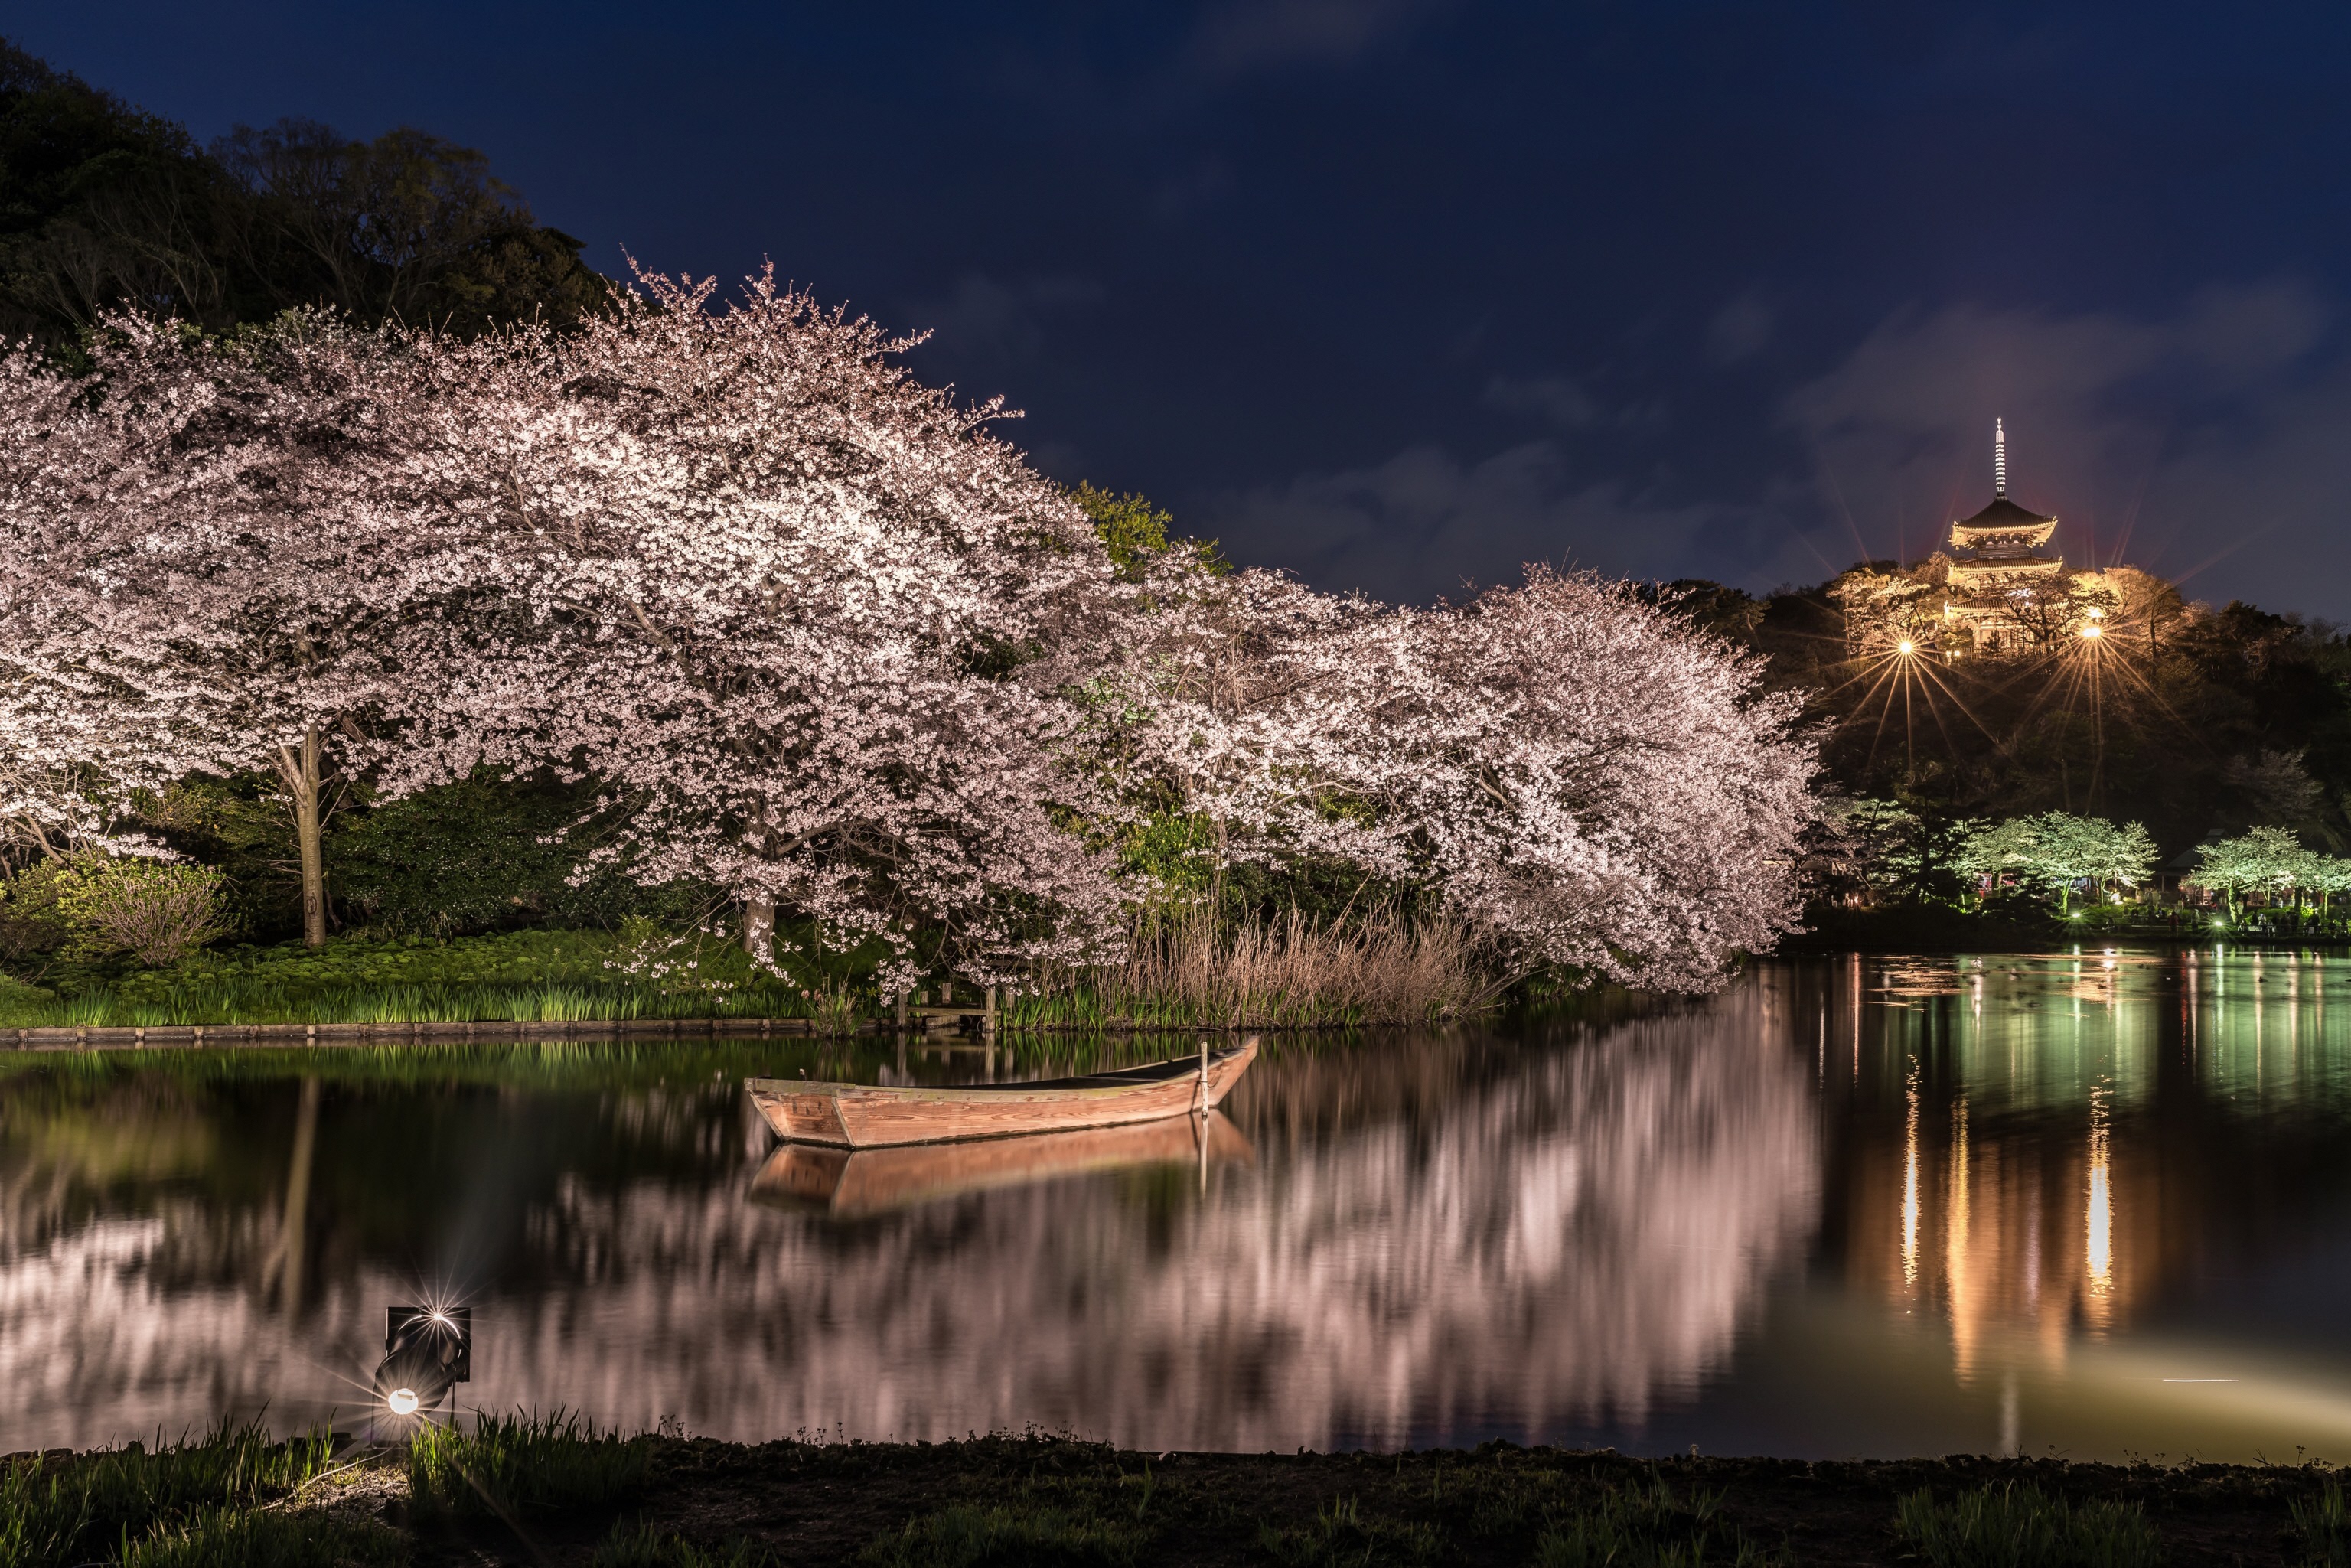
column 156, row 912
column 1289, row 972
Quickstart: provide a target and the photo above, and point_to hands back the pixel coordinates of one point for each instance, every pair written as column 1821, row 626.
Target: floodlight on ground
column 426, row 1351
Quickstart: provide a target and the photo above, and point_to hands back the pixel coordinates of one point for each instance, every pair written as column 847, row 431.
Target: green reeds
column 2010, row 1526
column 508, row 1464
column 1187, row 972
column 119, row 1500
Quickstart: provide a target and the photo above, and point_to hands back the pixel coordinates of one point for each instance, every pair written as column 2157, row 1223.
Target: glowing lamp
column 426, row 1350
column 1905, row 646
column 2094, row 630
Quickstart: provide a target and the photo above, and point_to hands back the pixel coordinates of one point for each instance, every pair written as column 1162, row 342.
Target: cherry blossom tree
column 810, row 624
column 1586, row 780
column 206, row 557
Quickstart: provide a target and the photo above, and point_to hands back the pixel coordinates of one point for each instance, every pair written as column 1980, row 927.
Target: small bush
column 2010, row 1526
column 1006, row 1537
column 31, row 922
column 157, row 912
column 508, row 1464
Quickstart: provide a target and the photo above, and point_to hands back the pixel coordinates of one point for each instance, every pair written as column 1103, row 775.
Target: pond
column 2093, row 1204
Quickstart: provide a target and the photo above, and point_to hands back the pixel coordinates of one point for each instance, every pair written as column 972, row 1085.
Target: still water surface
column 2094, row 1203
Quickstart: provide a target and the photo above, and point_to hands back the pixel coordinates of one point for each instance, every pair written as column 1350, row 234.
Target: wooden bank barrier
column 212, row 1036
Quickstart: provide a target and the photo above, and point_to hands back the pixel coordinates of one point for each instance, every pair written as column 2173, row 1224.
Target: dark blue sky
column 1400, row 294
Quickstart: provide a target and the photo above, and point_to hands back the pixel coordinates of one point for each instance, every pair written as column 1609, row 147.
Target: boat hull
column 866, row 1116
column 847, row 1184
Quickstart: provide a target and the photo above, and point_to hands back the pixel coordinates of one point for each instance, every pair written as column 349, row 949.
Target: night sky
column 1398, row 294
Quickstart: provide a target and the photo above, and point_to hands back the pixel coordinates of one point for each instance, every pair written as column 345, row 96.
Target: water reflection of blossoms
column 1568, row 1241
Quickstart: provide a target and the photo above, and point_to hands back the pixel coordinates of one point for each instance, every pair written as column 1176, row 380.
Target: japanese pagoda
column 2000, row 567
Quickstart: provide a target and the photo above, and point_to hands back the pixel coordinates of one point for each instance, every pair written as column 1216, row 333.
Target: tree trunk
column 759, row 928
column 299, row 767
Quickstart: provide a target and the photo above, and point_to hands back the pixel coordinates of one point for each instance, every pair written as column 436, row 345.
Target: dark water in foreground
column 2098, row 1204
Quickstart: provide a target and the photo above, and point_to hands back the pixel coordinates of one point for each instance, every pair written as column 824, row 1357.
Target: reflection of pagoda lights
column 1910, row 1186
column 2101, row 1218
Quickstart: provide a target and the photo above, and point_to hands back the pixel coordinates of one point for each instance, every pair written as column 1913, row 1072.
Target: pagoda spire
column 1999, row 459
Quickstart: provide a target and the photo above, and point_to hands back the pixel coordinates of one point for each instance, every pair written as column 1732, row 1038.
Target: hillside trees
column 109, row 209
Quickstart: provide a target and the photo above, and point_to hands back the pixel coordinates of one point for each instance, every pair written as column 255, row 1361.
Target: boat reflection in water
column 849, row 1185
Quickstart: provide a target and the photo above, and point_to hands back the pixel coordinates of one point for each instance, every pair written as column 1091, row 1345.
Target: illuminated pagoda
column 2000, row 577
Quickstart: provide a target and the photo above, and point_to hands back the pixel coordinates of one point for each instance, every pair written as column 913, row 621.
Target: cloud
column 1423, row 524
column 2206, row 441
column 1254, row 35
column 1004, row 321
column 1739, row 329
column 1554, row 398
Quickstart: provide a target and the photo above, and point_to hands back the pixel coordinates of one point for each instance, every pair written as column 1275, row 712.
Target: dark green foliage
column 487, row 854
column 2010, row 1526
column 105, row 205
column 33, row 922
column 1134, row 532
column 483, row 855
column 505, row 1465
column 80, row 1508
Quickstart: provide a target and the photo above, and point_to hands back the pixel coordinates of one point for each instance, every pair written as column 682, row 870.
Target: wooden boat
column 871, row 1115
column 849, row 1183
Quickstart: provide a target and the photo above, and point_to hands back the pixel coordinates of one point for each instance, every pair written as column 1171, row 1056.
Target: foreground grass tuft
column 506, row 1465
column 642, row 1546
column 114, row 1501
column 2010, row 1526
column 1648, row 1526
column 1342, row 1533
column 309, row 1539
column 1006, row 1537
column 2322, row 1528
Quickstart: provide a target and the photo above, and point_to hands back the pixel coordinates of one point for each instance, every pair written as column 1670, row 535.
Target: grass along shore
column 555, row 1491
column 1280, row 974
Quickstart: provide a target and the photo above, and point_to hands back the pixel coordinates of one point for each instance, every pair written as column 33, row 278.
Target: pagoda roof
column 2004, row 516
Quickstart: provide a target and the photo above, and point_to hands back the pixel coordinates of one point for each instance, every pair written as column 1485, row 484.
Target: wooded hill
column 2227, row 718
